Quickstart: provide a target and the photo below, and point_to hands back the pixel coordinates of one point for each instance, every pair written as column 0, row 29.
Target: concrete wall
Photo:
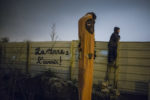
column 62, row 58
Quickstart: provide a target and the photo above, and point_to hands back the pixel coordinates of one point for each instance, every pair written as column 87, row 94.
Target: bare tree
column 4, row 39
column 53, row 34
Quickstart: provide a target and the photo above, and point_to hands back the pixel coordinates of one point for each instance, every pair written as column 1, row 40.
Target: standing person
column 112, row 46
column 112, row 57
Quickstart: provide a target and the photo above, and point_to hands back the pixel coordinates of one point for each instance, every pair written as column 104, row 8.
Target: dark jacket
column 112, row 47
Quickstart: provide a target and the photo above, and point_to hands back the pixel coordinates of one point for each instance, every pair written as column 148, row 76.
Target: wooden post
column 1, row 56
column 86, row 56
column 149, row 90
column 4, row 54
column 28, row 57
column 72, row 60
column 116, row 74
column 113, row 68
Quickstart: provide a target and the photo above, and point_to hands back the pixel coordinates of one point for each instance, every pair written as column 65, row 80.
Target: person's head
column 116, row 29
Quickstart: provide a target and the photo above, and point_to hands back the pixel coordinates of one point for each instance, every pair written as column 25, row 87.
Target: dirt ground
column 132, row 97
column 46, row 86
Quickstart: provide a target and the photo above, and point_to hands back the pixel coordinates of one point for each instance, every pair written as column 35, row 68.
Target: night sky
column 32, row 19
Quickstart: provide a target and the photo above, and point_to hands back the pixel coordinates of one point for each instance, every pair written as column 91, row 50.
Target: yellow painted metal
column 86, row 59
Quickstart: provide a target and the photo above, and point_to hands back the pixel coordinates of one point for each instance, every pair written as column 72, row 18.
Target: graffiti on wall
column 51, row 58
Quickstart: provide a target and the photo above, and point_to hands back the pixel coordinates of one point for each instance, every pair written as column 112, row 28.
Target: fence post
column 28, row 58
column 116, row 76
column 149, row 90
column 4, row 54
column 72, row 59
column 1, row 54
